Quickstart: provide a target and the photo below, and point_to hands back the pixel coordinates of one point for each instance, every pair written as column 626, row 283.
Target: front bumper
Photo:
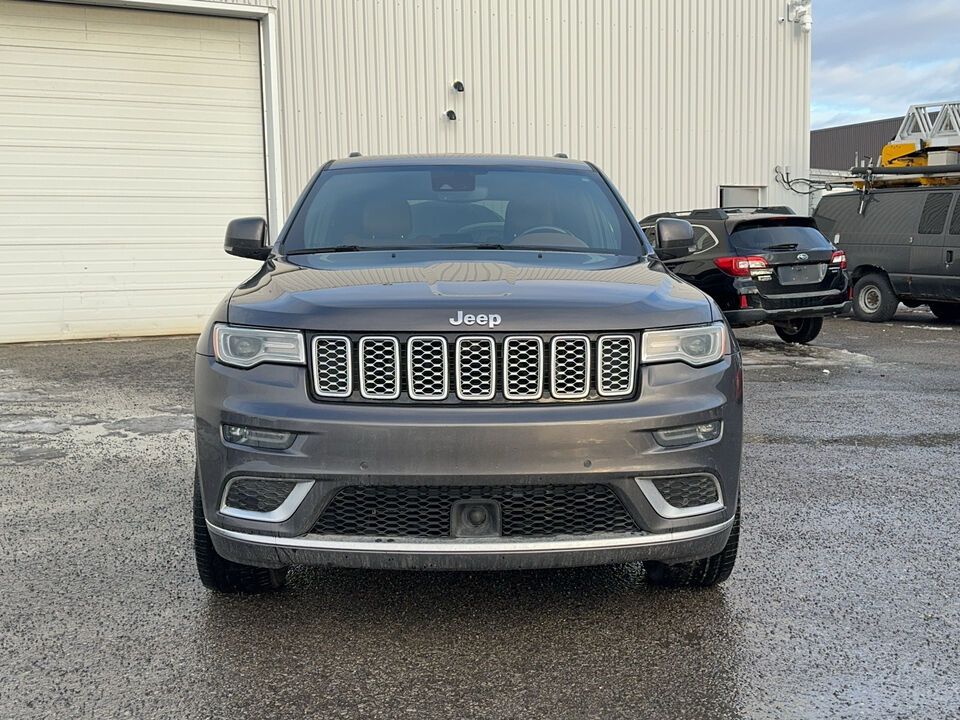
column 469, row 554
column 340, row 445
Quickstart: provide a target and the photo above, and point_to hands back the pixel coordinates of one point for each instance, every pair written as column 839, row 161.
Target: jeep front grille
column 380, row 368
column 427, row 368
column 474, row 368
column 616, row 366
column 523, row 367
column 332, row 367
column 571, row 366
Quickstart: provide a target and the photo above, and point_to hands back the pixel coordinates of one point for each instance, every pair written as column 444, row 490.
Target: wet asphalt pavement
column 844, row 602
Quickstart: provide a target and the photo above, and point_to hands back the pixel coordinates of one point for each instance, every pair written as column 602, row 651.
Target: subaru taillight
column 740, row 266
column 839, row 258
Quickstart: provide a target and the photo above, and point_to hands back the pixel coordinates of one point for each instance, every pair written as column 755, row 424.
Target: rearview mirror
column 247, row 238
column 674, row 238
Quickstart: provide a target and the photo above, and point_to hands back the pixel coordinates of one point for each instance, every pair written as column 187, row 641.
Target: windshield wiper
column 335, row 248
column 782, row 246
column 392, row 248
column 466, row 246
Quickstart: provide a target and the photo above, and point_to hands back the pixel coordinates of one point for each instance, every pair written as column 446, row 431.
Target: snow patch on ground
column 771, row 354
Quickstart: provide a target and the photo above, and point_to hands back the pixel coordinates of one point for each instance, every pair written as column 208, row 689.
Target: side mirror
column 247, row 238
column 675, row 238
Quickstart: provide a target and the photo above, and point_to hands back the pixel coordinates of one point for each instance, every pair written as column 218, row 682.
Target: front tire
column 803, row 330
column 947, row 312
column 218, row 573
column 697, row 573
column 874, row 299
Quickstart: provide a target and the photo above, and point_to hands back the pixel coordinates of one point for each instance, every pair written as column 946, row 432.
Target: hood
column 429, row 291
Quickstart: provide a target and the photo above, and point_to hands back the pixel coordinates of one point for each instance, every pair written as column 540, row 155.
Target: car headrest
column 523, row 215
column 387, row 217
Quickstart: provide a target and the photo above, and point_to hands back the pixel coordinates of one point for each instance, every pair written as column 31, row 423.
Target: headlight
column 245, row 347
column 700, row 345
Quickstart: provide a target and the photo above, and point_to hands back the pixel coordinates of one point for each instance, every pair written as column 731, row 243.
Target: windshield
column 461, row 206
column 779, row 237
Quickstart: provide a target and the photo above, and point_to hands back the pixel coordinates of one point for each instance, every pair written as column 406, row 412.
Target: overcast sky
column 874, row 58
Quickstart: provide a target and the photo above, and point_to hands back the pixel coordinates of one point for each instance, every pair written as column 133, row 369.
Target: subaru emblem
column 803, row 256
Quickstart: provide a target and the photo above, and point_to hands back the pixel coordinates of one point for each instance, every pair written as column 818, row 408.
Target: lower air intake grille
column 257, row 495
column 526, row 510
column 687, row 492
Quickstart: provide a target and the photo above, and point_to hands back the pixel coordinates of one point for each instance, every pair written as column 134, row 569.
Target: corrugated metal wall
column 672, row 99
column 836, row 148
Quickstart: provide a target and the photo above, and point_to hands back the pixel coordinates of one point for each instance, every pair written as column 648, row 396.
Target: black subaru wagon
column 761, row 265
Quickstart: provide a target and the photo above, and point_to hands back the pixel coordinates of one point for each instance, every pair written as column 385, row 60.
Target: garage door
column 128, row 139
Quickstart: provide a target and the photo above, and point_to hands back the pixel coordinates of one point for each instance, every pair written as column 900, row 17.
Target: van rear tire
column 874, row 299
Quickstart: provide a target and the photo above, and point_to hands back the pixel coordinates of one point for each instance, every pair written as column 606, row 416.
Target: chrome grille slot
column 616, row 365
column 380, row 368
column 332, row 374
column 523, row 367
column 476, row 368
column 570, row 367
column 427, row 368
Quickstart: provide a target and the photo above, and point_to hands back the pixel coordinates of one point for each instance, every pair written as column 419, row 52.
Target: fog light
column 688, row 434
column 258, row 437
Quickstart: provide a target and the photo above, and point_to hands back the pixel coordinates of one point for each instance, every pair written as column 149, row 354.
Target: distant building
column 836, row 148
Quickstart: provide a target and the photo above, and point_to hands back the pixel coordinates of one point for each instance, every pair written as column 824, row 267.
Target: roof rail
column 705, row 214
column 721, row 213
column 781, row 209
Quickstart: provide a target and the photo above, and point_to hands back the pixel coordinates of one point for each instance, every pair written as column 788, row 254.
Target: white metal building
column 131, row 131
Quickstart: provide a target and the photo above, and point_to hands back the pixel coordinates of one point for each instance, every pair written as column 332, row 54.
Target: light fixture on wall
column 799, row 12
column 458, row 86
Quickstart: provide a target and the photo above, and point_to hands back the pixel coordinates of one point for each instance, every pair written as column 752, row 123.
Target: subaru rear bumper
column 753, row 316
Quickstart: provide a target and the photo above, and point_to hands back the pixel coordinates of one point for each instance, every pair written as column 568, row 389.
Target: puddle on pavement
column 46, row 425
column 153, row 424
column 31, row 454
column 872, row 441
column 22, row 396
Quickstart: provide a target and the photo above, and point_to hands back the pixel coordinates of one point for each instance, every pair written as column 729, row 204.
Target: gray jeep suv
column 464, row 363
